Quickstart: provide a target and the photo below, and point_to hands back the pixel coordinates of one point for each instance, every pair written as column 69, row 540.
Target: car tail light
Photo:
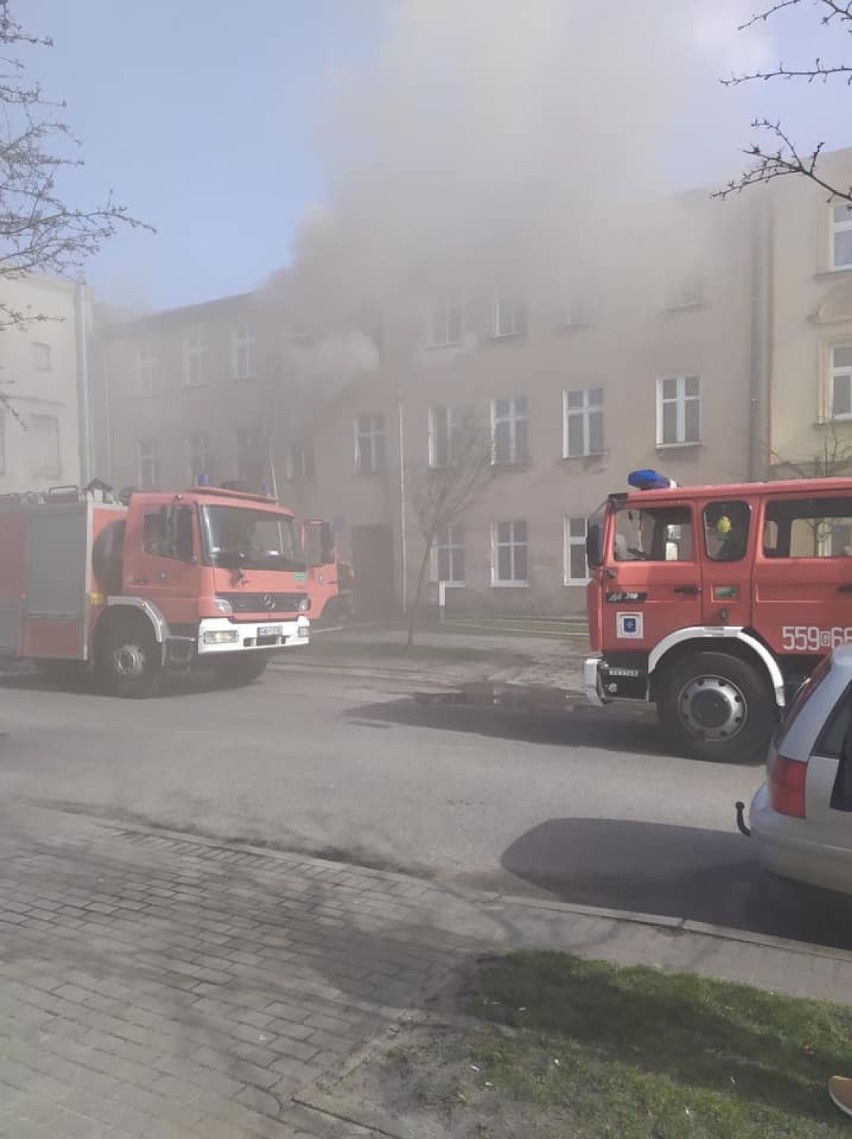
column 787, row 786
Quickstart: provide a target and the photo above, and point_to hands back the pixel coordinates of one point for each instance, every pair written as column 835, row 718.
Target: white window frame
column 513, row 419
column 243, row 342
column 453, row 420
column 371, row 435
column 42, row 356
column 835, row 373
column 573, row 541
column 146, row 370
column 195, row 357
column 496, row 545
column 445, row 322
column 54, row 471
column 192, row 451
column 509, row 317
column 295, row 467
column 680, row 400
column 146, row 455
column 839, row 227
column 454, row 544
column 585, row 413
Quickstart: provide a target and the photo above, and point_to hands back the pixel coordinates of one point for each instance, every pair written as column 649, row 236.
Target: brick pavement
column 165, row 986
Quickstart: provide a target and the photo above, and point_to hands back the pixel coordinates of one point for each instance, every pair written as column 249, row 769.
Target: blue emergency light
column 650, row 480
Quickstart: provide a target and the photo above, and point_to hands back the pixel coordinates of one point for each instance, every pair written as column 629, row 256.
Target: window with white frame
column 684, row 292
column 510, row 317
column 43, row 443
column 242, row 352
column 147, row 465
column 576, row 566
column 146, row 370
column 445, row 322
column 510, row 443
column 195, row 357
column 198, row 455
column 509, row 553
column 41, row 356
column 841, row 382
column 578, row 312
column 583, row 425
column 448, row 555
column 841, row 236
column 369, row 444
column 445, row 424
column 678, row 410
column 250, row 456
column 300, row 465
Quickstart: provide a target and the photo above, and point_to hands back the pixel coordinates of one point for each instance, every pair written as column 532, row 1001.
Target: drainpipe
column 403, row 535
column 85, row 425
column 761, row 341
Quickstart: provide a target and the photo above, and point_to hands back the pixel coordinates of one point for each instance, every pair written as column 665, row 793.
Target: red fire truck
column 716, row 602
column 131, row 590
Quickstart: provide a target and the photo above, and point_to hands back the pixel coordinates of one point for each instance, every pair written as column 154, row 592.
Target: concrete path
column 159, row 985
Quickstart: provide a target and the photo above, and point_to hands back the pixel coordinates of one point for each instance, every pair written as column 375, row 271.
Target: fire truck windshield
column 237, row 537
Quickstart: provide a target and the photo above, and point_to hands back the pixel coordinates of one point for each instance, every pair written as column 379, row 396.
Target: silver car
column 801, row 818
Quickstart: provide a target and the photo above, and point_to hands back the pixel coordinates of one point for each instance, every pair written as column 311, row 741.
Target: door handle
column 140, row 581
column 847, row 588
column 691, row 590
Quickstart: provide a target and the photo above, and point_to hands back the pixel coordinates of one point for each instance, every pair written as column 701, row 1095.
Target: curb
column 493, row 901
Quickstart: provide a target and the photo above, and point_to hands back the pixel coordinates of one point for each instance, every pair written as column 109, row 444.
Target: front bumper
column 592, row 681
column 218, row 635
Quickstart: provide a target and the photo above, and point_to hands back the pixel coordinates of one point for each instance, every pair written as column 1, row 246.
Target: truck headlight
column 223, row 606
column 221, row 636
column 304, row 604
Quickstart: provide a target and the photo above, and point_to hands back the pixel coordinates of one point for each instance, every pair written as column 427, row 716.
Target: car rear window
column 802, row 698
column 830, row 741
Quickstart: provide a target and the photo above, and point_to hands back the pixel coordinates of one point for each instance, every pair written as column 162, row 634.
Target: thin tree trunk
column 414, row 611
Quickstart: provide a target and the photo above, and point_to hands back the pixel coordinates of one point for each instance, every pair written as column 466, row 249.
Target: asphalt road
column 584, row 807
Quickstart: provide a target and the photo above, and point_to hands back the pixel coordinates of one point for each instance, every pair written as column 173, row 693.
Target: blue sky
column 203, row 117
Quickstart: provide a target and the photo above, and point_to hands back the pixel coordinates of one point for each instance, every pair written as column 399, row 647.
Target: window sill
column 680, row 446
column 590, row 455
column 687, row 306
column 438, row 347
column 825, row 274
column 580, row 583
column 510, row 585
column 511, row 464
column 449, row 584
column 500, row 336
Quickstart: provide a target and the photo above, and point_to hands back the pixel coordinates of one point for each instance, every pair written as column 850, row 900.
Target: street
column 582, row 807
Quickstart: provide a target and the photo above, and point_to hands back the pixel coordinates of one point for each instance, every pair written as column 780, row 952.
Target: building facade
column 43, row 419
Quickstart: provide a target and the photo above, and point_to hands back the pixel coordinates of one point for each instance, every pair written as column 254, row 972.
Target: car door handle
column 140, row 581
column 691, row 590
column 847, row 588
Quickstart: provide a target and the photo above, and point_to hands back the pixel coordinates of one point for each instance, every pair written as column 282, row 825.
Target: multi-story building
column 42, row 364
column 578, row 380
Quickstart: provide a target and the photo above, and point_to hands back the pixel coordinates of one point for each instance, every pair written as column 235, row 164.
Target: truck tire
column 714, row 706
column 242, row 669
column 129, row 659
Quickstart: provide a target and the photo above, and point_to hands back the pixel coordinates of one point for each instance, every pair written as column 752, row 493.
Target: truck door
column 161, row 560
column 728, row 539
column 652, row 579
column 803, row 574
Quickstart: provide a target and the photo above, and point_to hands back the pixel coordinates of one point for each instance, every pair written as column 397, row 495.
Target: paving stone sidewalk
column 167, row 987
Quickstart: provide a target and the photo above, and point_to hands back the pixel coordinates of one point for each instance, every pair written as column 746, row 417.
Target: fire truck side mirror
column 319, row 543
column 594, row 545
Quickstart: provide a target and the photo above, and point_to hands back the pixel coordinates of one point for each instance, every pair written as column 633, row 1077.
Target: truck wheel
column 714, row 706
column 241, row 669
column 129, row 660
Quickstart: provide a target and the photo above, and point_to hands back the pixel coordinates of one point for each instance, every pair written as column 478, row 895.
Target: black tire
column 241, row 669
column 717, row 707
column 129, row 659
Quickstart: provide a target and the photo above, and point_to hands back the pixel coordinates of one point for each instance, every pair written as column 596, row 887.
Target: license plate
column 270, row 631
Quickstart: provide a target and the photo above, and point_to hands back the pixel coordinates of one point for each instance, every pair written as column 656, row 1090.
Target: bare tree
column 832, row 460
column 779, row 155
column 444, row 489
column 39, row 230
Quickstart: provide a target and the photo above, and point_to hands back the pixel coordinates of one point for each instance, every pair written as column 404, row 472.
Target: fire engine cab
column 716, row 602
column 162, row 582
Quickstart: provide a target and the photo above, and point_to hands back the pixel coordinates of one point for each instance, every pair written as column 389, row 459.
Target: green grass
column 598, row 1051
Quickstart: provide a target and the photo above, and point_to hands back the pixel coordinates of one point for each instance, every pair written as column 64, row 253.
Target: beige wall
column 812, row 311
column 40, row 377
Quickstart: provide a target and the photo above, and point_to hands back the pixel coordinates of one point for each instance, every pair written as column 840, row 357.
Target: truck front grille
column 264, row 602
